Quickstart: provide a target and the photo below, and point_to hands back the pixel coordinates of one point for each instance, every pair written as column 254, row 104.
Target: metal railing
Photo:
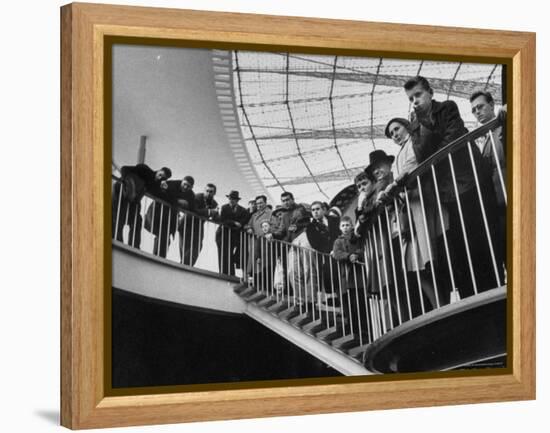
column 157, row 227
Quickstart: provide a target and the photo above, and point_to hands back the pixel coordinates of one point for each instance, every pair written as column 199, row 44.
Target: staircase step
column 240, row 288
column 255, row 297
column 300, row 319
column 329, row 334
column 247, row 292
column 289, row 312
column 343, row 341
column 358, row 351
column 313, row 327
column 278, row 307
column 267, row 302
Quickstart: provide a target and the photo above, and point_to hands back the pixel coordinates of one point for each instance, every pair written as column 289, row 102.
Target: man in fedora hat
column 233, row 217
column 379, row 169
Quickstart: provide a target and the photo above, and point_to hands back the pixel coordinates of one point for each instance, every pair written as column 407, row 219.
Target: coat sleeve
column 453, row 125
column 279, row 230
column 339, row 250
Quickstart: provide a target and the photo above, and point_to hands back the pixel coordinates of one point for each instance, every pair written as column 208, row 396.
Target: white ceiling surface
column 265, row 89
column 168, row 94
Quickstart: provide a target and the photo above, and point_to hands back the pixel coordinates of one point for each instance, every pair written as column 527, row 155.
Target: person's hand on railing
column 163, row 185
column 249, row 230
column 269, row 236
column 292, row 228
column 402, row 179
column 353, row 258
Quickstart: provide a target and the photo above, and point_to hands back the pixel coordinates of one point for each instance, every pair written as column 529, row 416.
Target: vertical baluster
column 192, row 247
column 271, row 271
column 159, row 237
column 397, row 300
column 252, row 239
column 168, row 230
column 358, row 309
column 484, row 215
column 182, row 246
column 342, row 309
column 309, row 253
column 134, row 226
column 229, row 252
column 332, row 289
column 288, row 276
column 462, row 225
column 380, row 286
column 415, row 251
column 454, row 291
column 365, row 294
column 318, row 271
column 324, row 290
column 154, row 204
column 299, row 264
column 428, row 240
column 222, row 250
column 201, row 223
column 118, row 209
column 385, row 263
column 499, row 169
column 242, row 235
column 263, row 263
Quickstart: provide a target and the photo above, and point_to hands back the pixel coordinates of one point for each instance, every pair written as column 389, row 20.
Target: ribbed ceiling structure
column 310, row 122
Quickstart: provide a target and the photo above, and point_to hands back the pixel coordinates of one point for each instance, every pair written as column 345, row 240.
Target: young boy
column 348, row 252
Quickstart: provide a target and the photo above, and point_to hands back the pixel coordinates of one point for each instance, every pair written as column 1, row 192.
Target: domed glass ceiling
column 310, row 122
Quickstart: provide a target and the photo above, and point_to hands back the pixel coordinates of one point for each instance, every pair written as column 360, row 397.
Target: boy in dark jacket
column 348, row 252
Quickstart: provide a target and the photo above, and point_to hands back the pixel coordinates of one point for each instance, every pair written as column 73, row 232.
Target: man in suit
column 493, row 152
column 127, row 194
column 232, row 219
column 191, row 225
column 163, row 214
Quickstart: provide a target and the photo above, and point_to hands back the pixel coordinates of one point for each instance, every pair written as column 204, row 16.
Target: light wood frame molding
column 84, row 401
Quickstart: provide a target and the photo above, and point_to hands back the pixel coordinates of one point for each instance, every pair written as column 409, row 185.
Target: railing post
column 415, row 252
column 118, row 209
column 428, row 240
column 462, row 225
column 387, row 279
column 342, row 309
column 484, row 215
column 390, row 240
column 499, row 169
column 365, row 294
column 454, row 291
column 358, row 309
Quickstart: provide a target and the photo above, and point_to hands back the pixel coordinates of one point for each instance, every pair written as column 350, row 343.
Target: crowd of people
column 430, row 229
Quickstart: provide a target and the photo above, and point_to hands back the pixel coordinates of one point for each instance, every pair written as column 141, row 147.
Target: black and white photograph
column 278, row 216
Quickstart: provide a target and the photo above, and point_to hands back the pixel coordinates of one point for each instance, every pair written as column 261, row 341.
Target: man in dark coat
column 191, row 228
column 493, row 152
column 433, row 126
column 232, row 219
column 293, row 219
column 127, row 194
column 163, row 214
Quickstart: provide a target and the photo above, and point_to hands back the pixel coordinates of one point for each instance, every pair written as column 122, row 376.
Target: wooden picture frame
column 85, row 400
